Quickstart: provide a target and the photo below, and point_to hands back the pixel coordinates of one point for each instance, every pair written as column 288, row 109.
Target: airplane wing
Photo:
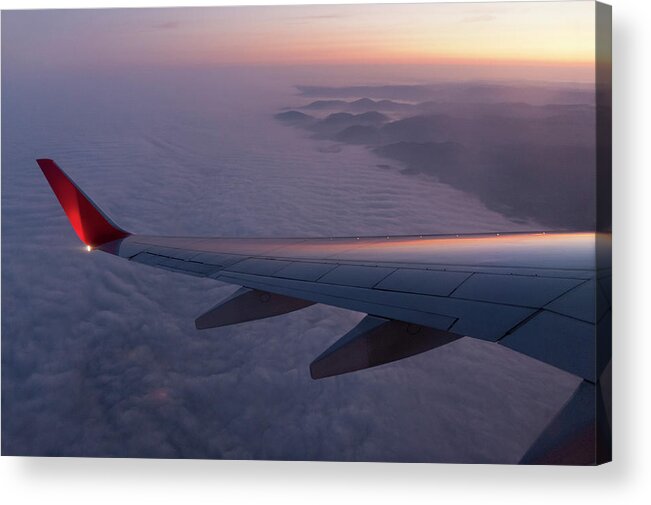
column 541, row 294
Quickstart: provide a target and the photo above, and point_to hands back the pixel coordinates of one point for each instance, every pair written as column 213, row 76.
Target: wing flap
column 523, row 290
column 376, row 341
column 564, row 342
column 248, row 305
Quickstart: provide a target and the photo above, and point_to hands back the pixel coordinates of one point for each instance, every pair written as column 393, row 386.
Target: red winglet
column 92, row 226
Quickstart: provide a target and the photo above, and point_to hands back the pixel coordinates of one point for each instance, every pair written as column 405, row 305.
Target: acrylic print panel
column 344, row 232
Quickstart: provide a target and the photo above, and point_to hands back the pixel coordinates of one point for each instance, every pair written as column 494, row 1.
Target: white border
column 627, row 480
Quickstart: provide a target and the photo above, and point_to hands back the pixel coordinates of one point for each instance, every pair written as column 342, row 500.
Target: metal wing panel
column 303, row 271
column 258, row 266
column 220, row 260
column 586, row 302
column 175, row 265
column 483, row 320
column 425, row 282
column 341, row 296
column 356, row 275
column 561, row 341
column 524, row 290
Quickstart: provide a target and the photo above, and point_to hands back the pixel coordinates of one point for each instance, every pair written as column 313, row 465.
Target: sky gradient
column 520, row 38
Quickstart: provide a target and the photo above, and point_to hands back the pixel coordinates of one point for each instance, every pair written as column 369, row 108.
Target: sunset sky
column 556, row 35
column 175, row 121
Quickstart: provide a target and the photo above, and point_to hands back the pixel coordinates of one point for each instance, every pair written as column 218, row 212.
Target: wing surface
column 540, row 294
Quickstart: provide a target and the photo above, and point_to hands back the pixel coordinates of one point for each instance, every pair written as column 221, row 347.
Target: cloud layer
column 526, row 150
column 100, row 356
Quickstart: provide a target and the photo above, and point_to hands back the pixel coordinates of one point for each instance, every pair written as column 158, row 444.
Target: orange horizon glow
column 512, row 34
column 520, row 35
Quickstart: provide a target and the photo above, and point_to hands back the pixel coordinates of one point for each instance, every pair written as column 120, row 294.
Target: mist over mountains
column 527, row 151
column 533, row 93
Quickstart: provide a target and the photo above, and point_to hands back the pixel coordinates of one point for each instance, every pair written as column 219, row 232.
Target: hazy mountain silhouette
column 359, row 134
column 552, row 186
column 360, row 105
column 527, row 151
column 337, row 122
column 326, row 104
column 293, row 116
column 532, row 93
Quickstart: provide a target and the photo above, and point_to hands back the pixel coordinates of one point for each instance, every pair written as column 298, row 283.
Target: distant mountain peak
column 293, row 116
